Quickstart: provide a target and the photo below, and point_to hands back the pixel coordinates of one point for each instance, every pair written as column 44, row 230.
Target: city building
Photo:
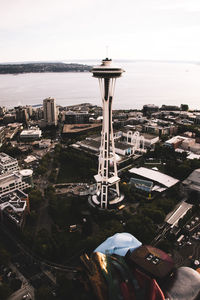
column 139, row 140
column 90, row 144
column 148, row 109
column 13, row 207
column 175, row 142
column 38, row 113
column 153, row 127
column 178, row 213
column 8, row 163
column 21, row 114
column 93, row 145
column 2, row 134
column 2, row 111
column 11, row 130
column 192, row 183
column 50, row 112
column 185, row 143
column 107, row 180
column 161, row 181
column 123, row 149
column 71, row 117
column 72, row 130
column 29, row 109
column 9, row 118
column 127, row 142
column 16, row 180
column 33, row 133
column 46, row 143
column 170, row 107
column 30, row 159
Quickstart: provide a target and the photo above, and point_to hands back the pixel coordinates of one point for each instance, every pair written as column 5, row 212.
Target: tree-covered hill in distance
column 42, row 68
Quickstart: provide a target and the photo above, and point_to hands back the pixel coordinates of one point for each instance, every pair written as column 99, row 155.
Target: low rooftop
column 5, row 158
column 156, row 176
column 193, row 178
column 75, row 128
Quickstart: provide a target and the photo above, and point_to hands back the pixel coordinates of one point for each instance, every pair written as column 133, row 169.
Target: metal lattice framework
column 136, row 140
column 107, row 178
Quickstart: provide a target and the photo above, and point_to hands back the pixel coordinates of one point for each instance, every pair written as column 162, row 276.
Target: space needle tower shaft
column 107, row 178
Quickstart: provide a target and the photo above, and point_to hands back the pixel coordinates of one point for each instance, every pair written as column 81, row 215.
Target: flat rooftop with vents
column 156, row 176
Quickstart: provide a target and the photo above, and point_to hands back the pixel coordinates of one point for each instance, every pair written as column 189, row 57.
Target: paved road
column 23, row 249
column 161, row 235
column 26, row 289
column 44, row 220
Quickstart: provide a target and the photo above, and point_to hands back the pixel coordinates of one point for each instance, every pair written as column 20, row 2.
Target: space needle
column 107, row 191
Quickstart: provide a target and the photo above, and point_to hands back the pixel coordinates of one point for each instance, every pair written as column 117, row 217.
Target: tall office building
column 21, row 114
column 107, row 180
column 50, row 112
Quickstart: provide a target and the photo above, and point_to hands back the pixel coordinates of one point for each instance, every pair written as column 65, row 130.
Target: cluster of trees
column 35, row 199
column 142, row 227
column 76, row 166
column 49, row 132
column 191, row 128
column 4, row 256
column 42, row 67
column 63, row 210
column 44, row 165
column 67, row 289
column 5, row 291
column 181, row 170
column 10, row 150
column 7, row 287
column 175, row 164
column 126, row 189
column 143, row 222
column 60, row 244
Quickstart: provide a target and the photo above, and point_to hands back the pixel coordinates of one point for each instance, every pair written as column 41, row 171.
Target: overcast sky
column 32, row 30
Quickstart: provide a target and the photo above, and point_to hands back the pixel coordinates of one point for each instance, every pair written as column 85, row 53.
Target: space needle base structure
column 107, row 193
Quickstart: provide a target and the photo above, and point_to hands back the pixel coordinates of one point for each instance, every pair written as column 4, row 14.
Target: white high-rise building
column 16, row 180
column 50, row 111
column 8, row 163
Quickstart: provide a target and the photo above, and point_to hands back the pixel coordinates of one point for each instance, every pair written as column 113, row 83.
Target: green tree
column 35, row 199
column 165, row 245
column 155, row 214
column 5, row 291
column 4, row 256
column 15, row 284
column 70, row 289
column 165, row 204
column 43, row 244
column 44, row 293
column 184, row 107
column 142, row 227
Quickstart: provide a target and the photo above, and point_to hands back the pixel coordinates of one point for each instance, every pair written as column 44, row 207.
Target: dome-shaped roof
column 26, row 172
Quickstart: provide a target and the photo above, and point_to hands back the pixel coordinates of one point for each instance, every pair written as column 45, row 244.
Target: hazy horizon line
column 98, row 60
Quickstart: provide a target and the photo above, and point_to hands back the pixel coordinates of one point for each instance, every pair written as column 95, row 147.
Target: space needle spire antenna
column 107, row 181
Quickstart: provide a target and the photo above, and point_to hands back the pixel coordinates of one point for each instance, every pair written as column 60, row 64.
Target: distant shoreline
column 42, row 68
